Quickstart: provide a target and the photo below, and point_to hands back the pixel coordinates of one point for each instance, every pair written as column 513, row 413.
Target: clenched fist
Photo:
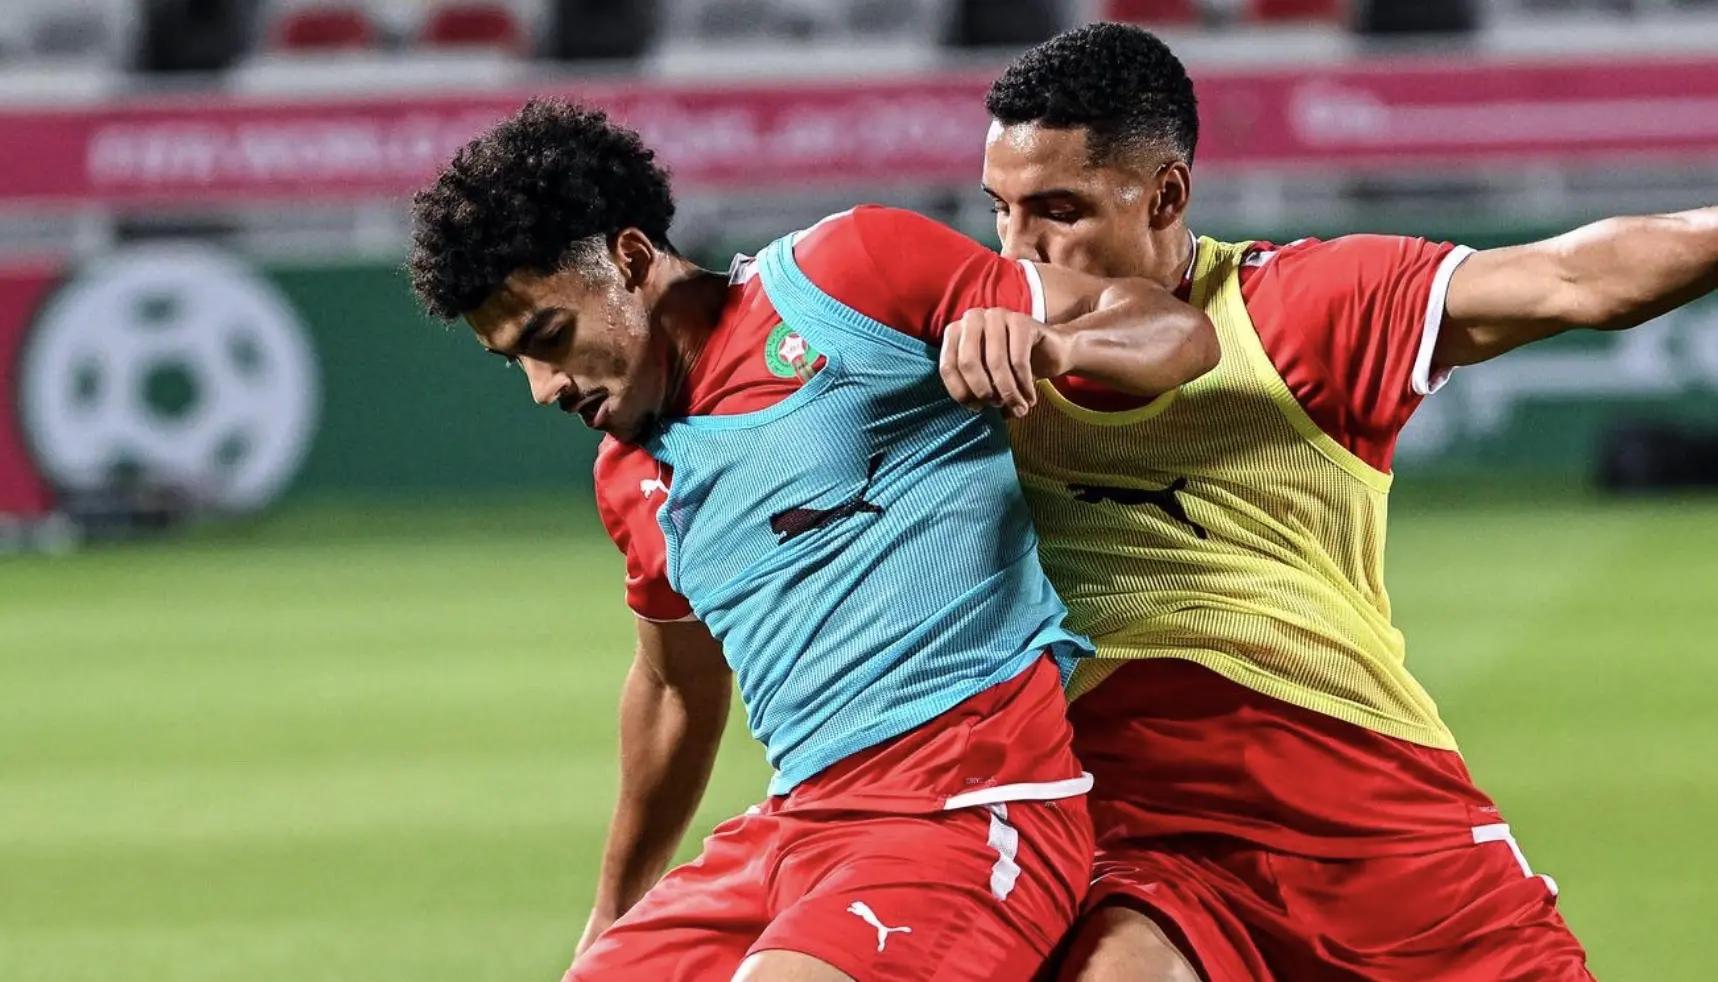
column 991, row 357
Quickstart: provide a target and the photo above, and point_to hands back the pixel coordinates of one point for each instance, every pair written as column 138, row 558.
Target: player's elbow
column 1191, row 350
column 1203, row 349
column 1181, row 342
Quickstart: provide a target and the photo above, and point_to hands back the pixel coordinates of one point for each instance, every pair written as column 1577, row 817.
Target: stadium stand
column 214, row 35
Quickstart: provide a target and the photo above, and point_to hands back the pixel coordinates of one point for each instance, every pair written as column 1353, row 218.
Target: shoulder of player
column 1334, row 265
column 1367, row 248
column 847, row 256
column 621, row 471
column 868, row 217
column 1263, row 252
column 861, row 233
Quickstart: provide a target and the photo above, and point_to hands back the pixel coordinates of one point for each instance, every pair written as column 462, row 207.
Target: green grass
column 377, row 742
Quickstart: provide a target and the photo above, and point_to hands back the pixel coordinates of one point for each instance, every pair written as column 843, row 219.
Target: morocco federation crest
column 787, row 354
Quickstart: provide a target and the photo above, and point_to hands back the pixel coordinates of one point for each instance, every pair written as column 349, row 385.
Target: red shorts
column 976, row 893
column 1273, row 842
column 1245, row 914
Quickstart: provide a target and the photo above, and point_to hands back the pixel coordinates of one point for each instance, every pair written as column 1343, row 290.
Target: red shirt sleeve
column 908, row 271
column 630, row 486
column 1343, row 321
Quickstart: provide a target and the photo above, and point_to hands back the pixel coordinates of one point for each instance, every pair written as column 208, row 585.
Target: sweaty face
column 1052, row 205
column 583, row 342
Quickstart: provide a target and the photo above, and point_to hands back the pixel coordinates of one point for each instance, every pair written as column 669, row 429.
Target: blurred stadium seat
column 474, row 25
column 1297, row 10
column 596, row 30
column 325, row 27
column 1002, row 23
column 1160, row 12
column 195, row 35
column 1422, row 17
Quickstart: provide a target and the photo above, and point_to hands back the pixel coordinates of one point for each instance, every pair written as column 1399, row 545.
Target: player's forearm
column 1140, row 339
column 668, row 743
column 1624, row 271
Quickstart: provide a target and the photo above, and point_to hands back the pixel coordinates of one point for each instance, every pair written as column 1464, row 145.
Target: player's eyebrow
column 1049, row 193
column 1043, row 195
column 538, row 321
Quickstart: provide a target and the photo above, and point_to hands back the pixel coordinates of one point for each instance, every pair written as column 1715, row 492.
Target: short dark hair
column 526, row 195
column 1119, row 82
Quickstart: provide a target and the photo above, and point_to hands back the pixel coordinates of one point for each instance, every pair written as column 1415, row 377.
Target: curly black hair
column 1120, row 82
column 525, row 196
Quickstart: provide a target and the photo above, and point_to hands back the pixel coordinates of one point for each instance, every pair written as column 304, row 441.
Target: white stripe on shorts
column 1005, row 839
column 1499, row 832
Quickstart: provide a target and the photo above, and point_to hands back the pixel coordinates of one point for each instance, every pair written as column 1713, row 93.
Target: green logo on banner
column 787, row 354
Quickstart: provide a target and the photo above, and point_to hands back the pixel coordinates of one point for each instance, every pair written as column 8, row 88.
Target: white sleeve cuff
column 1034, row 283
column 672, row 620
column 1422, row 380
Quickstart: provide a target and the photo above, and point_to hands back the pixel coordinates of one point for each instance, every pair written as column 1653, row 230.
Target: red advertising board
column 23, row 492
column 1381, row 114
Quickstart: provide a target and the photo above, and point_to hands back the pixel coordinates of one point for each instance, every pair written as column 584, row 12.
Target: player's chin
column 627, row 427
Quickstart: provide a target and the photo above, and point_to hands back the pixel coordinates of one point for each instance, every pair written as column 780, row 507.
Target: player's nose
column 1018, row 242
column 547, row 385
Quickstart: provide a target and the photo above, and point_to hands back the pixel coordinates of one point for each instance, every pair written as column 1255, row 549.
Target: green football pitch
column 376, row 742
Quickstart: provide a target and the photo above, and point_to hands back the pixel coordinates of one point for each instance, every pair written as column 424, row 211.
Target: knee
column 1119, row 944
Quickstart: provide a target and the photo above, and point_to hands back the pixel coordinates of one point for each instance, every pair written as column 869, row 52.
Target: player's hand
column 991, row 356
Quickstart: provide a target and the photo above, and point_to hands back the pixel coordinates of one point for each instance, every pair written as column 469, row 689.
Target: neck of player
column 690, row 306
column 1176, row 248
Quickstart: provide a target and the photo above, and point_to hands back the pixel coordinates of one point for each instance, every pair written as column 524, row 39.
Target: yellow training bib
column 1220, row 525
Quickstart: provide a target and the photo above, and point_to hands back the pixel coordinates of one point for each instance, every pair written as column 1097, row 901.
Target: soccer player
column 1276, row 797
column 799, row 499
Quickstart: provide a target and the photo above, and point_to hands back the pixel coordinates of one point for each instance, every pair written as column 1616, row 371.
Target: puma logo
column 652, row 485
column 862, row 910
column 798, row 521
column 1163, row 498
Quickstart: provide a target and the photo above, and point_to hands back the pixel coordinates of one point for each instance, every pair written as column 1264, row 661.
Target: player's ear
column 635, row 256
column 1174, row 193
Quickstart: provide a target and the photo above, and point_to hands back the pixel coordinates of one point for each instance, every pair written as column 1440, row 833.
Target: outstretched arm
column 1609, row 275
column 1129, row 334
column 673, row 707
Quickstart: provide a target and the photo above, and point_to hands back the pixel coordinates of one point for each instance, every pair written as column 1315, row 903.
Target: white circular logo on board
column 177, row 363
